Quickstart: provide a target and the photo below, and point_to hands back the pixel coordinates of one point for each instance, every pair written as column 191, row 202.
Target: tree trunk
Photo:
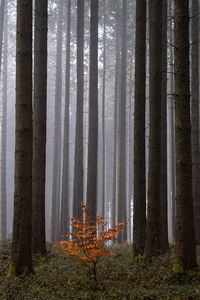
column 153, row 232
column 65, row 198
column 164, row 202
column 103, row 117
column 3, row 232
column 195, row 117
column 93, row 114
column 39, row 127
column 185, row 235
column 122, row 129
column 22, row 234
column 78, row 160
column 55, row 208
column 139, row 218
column 114, row 179
column 2, row 6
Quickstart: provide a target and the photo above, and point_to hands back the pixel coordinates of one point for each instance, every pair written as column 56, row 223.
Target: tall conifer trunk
column 185, row 235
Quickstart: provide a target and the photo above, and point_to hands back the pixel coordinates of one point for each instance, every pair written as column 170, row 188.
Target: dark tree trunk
column 139, row 218
column 164, row 202
column 195, row 117
column 122, row 129
column 93, row 114
column 65, row 198
column 55, row 208
column 3, row 232
column 39, row 127
column 22, row 234
column 153, row 232
column 185, row 235
column 78, row 165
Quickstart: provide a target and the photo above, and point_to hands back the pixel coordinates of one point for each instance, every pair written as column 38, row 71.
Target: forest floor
column 119, row 277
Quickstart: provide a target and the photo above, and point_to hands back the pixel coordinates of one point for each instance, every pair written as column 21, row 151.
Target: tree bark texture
column 22, row 233
column 195, row 117
column 93, row 114
column 2, row 6
column 139, row 218
column 153, row 231
column 39, row 127
column 185, row 235
column 78, row 160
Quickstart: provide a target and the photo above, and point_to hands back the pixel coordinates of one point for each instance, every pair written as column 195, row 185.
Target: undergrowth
column 119, row 277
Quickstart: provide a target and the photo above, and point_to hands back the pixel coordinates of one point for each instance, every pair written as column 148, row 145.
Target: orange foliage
column 88, row 239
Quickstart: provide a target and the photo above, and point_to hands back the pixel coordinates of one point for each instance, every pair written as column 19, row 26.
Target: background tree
column 22, row 233
column 2, row 6
column 185, row 235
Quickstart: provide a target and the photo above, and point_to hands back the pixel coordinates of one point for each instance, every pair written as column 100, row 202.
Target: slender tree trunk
column 139, row 218
column 93, row 114
column 39, row 127
column 2, row 6
column 78, row 165
column 122, row 129
column 3, row 232
column 185, row 235
column 55, row 207
column 65, row 198
column 164, row 202
column 103, row 117
column 195, row 117
column 153, row 232
column 172, row 128
column 114, row 179
column 22, row 234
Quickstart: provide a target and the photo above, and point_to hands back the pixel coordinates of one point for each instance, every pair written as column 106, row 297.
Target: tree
column 78, row 160
column 163, row 186
column 21, row 257
column 116, row 92
column 122, row 128
column 185, row 235
column 39, row 127
column 139, row 130
column 93, row 114
column 55, row 208
column 65, row 172
column 2, row 6
column 153, row 232
column 3, row 232
column 195, row 117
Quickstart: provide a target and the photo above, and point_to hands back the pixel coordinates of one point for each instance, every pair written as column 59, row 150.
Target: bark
column 114, row 179
column 122, row 129
column 78, row 166
column 21, row 258
column 2, row 6
column 3, row 232
column 185, row 235
column 103, row 118
column 139, row 218
column 153, row 232
column 164, row 202
column 93, row 114
column 39, row 127
column 65, row 198
column 195, row 117
column 55, row 208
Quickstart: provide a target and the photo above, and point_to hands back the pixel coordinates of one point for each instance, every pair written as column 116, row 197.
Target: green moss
column 12, row 271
